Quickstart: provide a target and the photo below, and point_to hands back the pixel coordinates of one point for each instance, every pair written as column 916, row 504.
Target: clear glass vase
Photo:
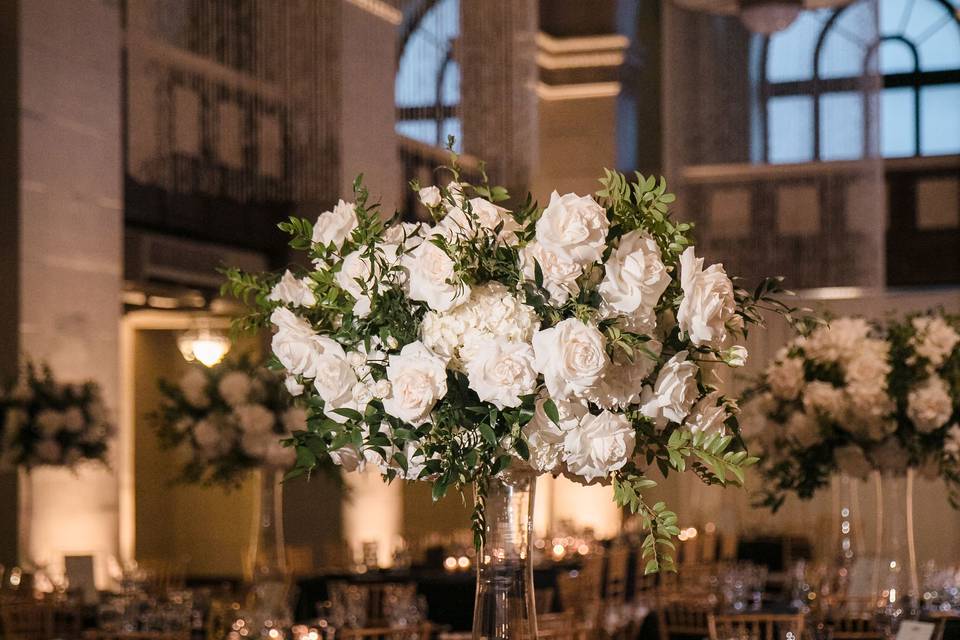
column 897, row 590
column 268, row 606
column 505, row 607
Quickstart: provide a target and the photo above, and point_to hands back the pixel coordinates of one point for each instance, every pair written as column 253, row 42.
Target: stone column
column 70, row 261
column 496, row 53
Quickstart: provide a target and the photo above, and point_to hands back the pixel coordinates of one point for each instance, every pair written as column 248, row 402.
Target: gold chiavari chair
column 681, row 615
column 775, row 626
column 413, row 632
column 853, row 628
column 580, row 591
column 26, row 621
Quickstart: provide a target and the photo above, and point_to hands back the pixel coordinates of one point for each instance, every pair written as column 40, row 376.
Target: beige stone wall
column 71, row 245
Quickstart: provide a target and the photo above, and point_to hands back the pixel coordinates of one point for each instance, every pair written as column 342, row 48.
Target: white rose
column 49, row 451
column 935, row 339
column 545, row 438
column 622, row 383
column 736, row 356
column 803, row 429
column 254, row 417
column 852, row 461
column 280, row 456
column 294, row 419
column 335, row 226
column 335, row 380
column 418, row 378
column 356, row 267
column 574, row 227
column 825, row 399
column 785, row 378
column 635, row 277
column 234, row 388
column 707, row 416
column 929, row 405
column 708, row 302
column 382, row 389
column 74, row 420
column 460, row 224
column 674, row 393
column 432, row 278
column 502, row 371
column 559, row 272
column 600, row 445
column 405, row 234
column 429, row 196
column 296, row 345
column 349, row 458
column 290, row 290
column 194, row 387
column 294, row 388
column 571, row 356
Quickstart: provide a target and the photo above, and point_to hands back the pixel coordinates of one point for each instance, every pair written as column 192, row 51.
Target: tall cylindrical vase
column 505, row 608
column 897, row 592
column 268, row 605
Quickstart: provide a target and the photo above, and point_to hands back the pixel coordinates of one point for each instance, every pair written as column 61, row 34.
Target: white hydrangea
column 929, row 405
column 194, row 387
column 785, row 377
column 839, row 341
column 804, row 429
column 491, row 312
column 825, row 399
column 935, row 339
column 254, row 418
column 234, row 388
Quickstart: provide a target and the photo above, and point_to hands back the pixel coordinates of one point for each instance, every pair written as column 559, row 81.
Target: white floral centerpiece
column 231, row 419
column 583, row 339
column 854, row 396
column 49, row 423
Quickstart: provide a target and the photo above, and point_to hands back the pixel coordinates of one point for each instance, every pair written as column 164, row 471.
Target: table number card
column 79, row 570
column 913, row 630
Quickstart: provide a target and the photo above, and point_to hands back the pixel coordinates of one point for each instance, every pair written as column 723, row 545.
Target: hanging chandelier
column 203, row 344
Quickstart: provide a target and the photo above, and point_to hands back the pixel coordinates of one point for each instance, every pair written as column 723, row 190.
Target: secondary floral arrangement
column 853, row 397
column 46, row 422
column 583, row 338
column 230, row 418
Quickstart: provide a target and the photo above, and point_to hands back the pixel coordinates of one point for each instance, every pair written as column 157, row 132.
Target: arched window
column 428, row 77
column 822, row 76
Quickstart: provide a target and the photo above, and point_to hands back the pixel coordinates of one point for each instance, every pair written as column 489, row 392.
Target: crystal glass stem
column 505, row 608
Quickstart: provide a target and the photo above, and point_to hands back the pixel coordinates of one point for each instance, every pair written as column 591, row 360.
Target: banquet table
column 449, row 595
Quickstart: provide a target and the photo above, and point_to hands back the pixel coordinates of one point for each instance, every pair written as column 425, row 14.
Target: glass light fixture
column 769, row 16
column 208, row 346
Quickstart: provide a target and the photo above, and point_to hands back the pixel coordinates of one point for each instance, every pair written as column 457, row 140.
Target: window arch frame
column 439, row 111
column 816, row 86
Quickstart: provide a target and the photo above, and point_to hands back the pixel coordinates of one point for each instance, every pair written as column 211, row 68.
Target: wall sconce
column 206, row 345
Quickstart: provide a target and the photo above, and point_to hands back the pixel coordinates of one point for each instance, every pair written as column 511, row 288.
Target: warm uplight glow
column 206, row 345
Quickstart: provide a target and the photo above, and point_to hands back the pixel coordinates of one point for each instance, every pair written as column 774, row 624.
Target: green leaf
column 550, row 409
column 488, row 434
